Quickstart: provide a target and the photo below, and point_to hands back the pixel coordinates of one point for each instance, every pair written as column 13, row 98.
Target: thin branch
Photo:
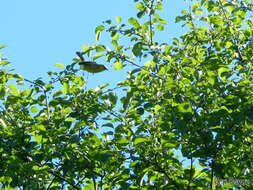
column 234, row 38
column 8, row 117
column 94, row 183
column 150, row 28
column 161, row 170
column 141, row 67
column 64, row 179
column 150, row 7
column 190, row 179
column 51, row 183
column 212, row 175
column 45, row 94
column 101, row 181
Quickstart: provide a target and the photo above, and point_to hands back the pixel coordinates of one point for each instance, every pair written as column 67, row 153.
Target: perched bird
column 90, row 66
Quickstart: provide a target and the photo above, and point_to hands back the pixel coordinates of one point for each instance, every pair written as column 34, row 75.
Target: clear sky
column 44, row 32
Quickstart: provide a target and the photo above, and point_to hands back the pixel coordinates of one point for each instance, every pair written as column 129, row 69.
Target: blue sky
column 44, row 32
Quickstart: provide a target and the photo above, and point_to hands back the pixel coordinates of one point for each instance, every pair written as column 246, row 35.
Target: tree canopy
column 181, row 119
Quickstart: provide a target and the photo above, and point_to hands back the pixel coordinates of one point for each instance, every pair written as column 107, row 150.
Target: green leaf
column 140, row 6
column 181, row 18
column 66, row 88
column 141, row 14
column 149, row 63
column 211, row 77
column 100, row 48
column 38, row 138
column 4, row 63
column 139, row 140
column 123, row 140
column 126, row 100
column 140, row 111
column 222, row 73
column 98, row 31
column 39, row 127
column 108, row 125
column 137, row 49
column 118, row 65
column 159, row 6
column 85, row 48
column 157, row 108
column 160, row 27
column 97, row 56
column 198, row 11
column 184, row 107
column 34, row 109
column 118, row 19
column 134, row 22
column 113, row 98
column 13, row 90
column 115, row 36
column 2, row 46
column 60, row 65
column 229, row 44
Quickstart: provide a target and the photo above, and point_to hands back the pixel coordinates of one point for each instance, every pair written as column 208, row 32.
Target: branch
column 212, row 175
column 48, row 188
column 45, row 94
column 190, row 180
column 8, row 117
column 161, row 170
column 141, row 67
column 94, row 183
column 234, row 38
column 150, row 28
column 150, row 20
column 64, row 179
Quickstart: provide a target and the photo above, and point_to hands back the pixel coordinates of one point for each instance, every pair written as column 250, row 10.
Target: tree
column 193, row 96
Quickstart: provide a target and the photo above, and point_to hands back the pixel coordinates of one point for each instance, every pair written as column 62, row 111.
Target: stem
column 141, row 67
column 150, row 28
column 212, row 175
column 48, row 188
column 45, row 94
column 8, row 117
column 190, row 179
column 101, row 181
column 64, row 179
column 150, row 20
column 234, row 38
column 94, row 183
column 160, row 169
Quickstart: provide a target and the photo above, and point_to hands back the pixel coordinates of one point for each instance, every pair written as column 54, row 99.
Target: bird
column 90, row 66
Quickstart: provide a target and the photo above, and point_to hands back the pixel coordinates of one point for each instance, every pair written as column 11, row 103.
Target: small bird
column 90, row 66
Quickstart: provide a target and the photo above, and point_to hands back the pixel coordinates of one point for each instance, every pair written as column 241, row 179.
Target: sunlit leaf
column 118, row 65
column 60, row 65
column 98, row 31
column 118, row 19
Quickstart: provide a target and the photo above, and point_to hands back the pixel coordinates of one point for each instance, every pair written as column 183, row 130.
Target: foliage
column 193, row 96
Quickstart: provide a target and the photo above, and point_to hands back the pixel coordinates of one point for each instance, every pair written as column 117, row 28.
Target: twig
column 234, row 38
column 8, row 116
column 190, row 179
column 94, row 183
column 212, row 175
column 48, row 188
column 64, row 179
column 45, row 94
column 101, row 181
column 142, row 67
column 150, row 20
column 160, row 169
column 150, row 29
